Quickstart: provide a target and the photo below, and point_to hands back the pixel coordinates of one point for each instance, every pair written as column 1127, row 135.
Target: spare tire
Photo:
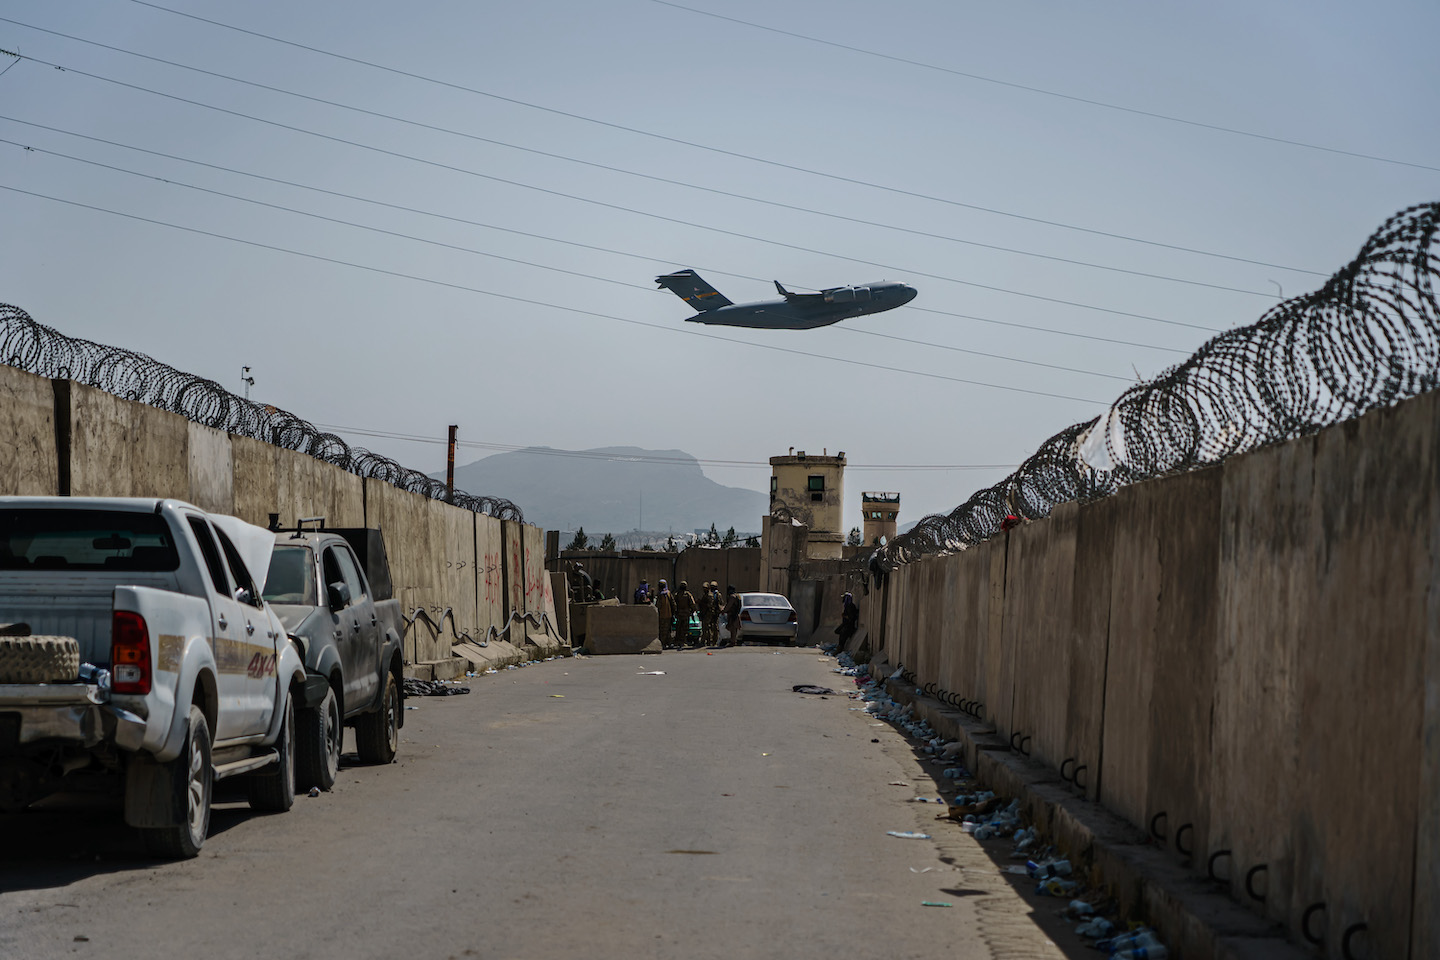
column 39, row 659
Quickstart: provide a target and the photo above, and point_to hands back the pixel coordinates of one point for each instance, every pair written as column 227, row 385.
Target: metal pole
column 450, row 466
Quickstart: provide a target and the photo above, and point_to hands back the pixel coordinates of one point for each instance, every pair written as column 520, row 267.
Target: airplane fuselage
column 812, row 310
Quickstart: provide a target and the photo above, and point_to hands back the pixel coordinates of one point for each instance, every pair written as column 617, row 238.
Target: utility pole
column 246, row 379
column 450, row 466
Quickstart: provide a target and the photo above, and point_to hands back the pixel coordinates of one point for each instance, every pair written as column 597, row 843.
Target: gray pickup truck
column 331, row 589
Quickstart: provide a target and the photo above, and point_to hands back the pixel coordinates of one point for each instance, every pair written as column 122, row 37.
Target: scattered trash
column 907, row 834
column 1017, row 870
column 431, row 688
column 651, row 673
column 81, row 938
column 899, row 783
column 558, row 696
column 935, row 903
column 926, row 870
column 314, row 791
column 812, row 690
column 412, row 708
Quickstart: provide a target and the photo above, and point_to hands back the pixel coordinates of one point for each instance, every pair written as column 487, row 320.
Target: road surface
column 572, row 809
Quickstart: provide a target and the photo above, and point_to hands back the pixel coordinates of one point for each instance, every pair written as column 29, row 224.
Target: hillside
column 606, row 490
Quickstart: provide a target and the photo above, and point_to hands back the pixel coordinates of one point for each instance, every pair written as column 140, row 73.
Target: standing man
column 642, row 592
column 665, row 606
column 710, row 614
column 684, row 609
column 849, row 619
column 732, row 615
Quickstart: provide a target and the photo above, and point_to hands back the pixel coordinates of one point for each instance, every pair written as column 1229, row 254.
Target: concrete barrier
column 1245, row 658
column 622, row 629
column 62, row 437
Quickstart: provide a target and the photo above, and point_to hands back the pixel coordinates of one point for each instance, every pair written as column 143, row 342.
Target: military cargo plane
column 797, row 311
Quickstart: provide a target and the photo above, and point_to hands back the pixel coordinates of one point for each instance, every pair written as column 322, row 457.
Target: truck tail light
column 745, row 615
column 129, row 653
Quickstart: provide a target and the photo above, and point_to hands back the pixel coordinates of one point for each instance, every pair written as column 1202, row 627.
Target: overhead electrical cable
column 537, row 236
column 720, row 150
column 1169, row 118
column 614, row 206
column 482, row 253
column 640, row 458
column 541, row 303
column 566, row 158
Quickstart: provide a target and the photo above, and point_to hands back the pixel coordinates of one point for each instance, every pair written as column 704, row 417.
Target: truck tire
column 192, row 783
column 377, row 735
column 39, row 659
column 273, row 791
column 319, row 732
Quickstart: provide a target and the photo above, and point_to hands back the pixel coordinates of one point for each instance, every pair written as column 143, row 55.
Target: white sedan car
column 767, row 616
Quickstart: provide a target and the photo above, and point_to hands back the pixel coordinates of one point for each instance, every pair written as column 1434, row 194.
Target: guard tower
column 813, row 488
column 880, row 511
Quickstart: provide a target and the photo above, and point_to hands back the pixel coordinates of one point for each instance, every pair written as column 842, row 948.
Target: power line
column 537, row 236
column 640, row 458
column 541, row 303
column 613, row 206
column 646, row 176
column 720, row 150
column 1040, row 90
column 481, row 253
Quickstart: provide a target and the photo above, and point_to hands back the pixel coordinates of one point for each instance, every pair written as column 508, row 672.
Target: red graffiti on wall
column 493, row 577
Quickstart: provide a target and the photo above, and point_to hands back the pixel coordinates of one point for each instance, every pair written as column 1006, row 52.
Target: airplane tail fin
column 687, row 285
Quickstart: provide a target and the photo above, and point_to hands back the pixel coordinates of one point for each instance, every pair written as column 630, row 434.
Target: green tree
column 579, row 541
column 713, row 537
column 729, row 539
column 647, row 546
column 670, row 545
column 752, row 541
column 854, row 540
column 607, row 542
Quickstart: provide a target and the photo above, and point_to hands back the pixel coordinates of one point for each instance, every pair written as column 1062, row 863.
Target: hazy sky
column 453, row 314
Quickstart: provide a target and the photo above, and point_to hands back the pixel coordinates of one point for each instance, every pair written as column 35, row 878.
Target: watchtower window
column 817, row 483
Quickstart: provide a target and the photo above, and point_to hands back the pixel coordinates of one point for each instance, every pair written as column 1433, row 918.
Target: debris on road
column 907, row 834
column 935, row 903
column 431, row 688
column 814, row 691
column 651, row 673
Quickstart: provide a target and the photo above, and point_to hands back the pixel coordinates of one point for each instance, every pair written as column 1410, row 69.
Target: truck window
column 111, row 540
column 292, row 576
column 349, row 571
column 211, row 553
column 245, row 590
column 330, row 565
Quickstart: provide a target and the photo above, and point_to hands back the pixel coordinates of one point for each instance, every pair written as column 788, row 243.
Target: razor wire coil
column 1368, row 338
column 38, row 349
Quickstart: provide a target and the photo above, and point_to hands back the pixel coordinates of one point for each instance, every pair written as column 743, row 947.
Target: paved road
column 573, row 809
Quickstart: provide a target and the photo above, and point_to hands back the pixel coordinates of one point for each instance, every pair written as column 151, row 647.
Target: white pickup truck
column 137, row 653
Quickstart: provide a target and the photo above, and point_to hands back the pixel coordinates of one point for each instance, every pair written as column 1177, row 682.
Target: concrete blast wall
column 66, row 438
column 1243, row 659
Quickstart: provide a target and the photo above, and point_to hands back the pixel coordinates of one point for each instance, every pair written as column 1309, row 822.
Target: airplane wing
column 799, row 298
column 687, row 285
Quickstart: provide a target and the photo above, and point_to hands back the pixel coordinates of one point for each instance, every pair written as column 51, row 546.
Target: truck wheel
column 319, row 732
column 377, row 735
column 191, row 786
column 274, row 791
column 39, row 659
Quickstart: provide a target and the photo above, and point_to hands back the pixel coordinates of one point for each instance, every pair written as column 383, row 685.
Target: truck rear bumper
column 70, row 712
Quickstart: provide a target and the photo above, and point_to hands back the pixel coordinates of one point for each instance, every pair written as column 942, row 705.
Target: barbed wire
column 1368, row 338
column 36, row 348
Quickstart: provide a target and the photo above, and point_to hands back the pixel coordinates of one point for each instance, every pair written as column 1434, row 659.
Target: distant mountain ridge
column 612, row 490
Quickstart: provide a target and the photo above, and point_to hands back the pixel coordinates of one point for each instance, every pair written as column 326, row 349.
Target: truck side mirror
column 338, row 594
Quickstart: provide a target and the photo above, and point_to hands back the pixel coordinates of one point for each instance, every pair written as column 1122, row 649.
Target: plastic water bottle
column 1079, row 908
column 1157, row 952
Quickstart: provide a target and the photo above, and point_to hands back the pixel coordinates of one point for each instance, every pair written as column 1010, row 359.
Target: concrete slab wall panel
column 30, row 466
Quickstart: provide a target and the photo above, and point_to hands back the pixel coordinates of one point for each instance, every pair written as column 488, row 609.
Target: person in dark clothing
column 684, row 608
column 642, row 592
column 849, row 619
column 732, row 615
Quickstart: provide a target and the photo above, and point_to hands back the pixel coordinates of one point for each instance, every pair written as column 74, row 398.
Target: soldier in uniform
column 684, row 608
column 710, row 614
column 732, row 615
